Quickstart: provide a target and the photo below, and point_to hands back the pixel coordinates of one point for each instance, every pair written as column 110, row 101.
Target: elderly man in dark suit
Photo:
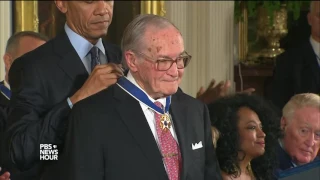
column 301, row 126
column 17, row 45
column 143, row 127
column 298, row 69
column 48, row 81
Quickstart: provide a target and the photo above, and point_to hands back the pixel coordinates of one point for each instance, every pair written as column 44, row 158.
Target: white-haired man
column 301, row 127
column 143, row 128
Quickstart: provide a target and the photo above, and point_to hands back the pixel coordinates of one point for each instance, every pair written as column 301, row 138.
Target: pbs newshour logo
column 48, row 152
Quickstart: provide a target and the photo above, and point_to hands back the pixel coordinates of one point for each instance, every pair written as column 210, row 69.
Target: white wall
column 208, row 29
column 5, row 31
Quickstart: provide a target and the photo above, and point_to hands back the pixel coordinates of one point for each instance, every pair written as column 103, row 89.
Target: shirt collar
column 281, row 145
column 144, row 107
column 6, row 84
column 315, row 45
column 80, row 44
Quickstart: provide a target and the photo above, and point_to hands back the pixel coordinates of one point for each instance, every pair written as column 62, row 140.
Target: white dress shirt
column 6, row 84
column 83, row 47
column 149, row 113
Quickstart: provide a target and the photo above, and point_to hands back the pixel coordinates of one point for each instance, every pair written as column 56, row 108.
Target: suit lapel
column 112, row 56
column 311, row 60
column 70, row 62
column 132, row 115
column 179, row 119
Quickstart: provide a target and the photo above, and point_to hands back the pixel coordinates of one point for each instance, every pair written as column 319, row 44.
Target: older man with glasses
column 143, row 127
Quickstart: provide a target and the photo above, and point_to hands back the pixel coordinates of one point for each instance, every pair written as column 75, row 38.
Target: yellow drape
column 153, row 7
column 26, row 16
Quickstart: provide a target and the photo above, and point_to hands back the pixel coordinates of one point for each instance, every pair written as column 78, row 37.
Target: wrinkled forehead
column 163, row 42
column 308, row 116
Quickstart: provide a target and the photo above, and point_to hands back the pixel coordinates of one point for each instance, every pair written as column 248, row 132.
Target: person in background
column 298, row 69
column 48, row 81
column 17, row 45
column 214, row 92
column 248, row 130
column 300, row 124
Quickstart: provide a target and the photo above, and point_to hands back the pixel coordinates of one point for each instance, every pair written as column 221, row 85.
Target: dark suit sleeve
column 83, row 153
column 282, row 86
column 212, row 168
column 32, row 120
column 3, row 119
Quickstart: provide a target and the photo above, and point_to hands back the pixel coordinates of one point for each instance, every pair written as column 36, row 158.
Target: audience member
column 301, row 128
column 249, row 129
column 298, row 69
column 17, row 45
column 214, row 92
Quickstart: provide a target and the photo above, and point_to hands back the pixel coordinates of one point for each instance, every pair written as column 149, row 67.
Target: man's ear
column 309, row 16
column 283, row 123
column 7, row 59
column 61, row 5
column 131, row 61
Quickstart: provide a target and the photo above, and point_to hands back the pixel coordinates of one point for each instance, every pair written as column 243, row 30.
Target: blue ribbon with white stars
column 139, row 95
column 5, row 91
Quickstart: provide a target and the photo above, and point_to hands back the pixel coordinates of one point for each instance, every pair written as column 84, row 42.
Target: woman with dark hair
column 249, row 129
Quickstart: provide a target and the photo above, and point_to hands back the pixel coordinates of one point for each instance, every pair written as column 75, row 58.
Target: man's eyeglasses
column 163, row 64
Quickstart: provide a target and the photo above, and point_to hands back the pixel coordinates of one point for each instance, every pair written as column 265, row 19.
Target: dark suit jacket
column 41, row 81
column 4, row 103
column 284, row 160
column 109, row 139
column 297, row 71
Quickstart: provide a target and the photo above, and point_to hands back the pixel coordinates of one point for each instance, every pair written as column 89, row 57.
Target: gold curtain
column 26, row 13
column 153, row 7
column 26, row 16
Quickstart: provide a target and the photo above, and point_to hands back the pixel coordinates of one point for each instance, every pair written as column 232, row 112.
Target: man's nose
column 310, row 140
column 101, row 8
column 173, row 70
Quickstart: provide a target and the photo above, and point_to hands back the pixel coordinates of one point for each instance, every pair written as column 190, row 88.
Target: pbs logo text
column 48, row 152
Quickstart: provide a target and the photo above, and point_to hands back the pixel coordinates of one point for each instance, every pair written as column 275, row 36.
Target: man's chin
column 303, row 160
column 170, row 92
column 100, row 33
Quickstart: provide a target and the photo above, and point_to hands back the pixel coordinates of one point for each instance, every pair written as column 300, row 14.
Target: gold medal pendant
column 165, row 122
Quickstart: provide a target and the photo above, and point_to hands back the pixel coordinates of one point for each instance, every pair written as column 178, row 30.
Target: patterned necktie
column 95, row 58
column 169, row 149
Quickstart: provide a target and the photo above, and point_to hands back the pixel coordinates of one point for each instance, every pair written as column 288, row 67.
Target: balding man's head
column 19, row 44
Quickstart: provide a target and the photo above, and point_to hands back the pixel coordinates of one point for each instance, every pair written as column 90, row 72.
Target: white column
column 176, row 11
column 5, row 32
column 207, row 28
